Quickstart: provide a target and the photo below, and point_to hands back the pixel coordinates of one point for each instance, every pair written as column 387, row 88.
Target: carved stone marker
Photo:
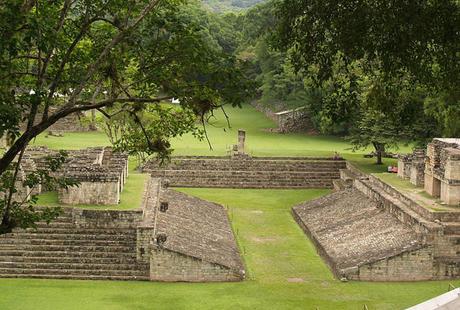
column 241, row 141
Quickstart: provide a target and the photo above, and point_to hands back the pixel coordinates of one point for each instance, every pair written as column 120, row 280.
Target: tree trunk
column 379, row 151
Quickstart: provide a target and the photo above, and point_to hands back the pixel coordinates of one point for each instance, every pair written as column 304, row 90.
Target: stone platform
column 368, row 230
column 173, row 237
column 192, row 239
column 351, row 231
column 248, row 172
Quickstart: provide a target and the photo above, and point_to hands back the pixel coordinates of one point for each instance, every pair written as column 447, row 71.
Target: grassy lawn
column 284, row 271
column 259, row 142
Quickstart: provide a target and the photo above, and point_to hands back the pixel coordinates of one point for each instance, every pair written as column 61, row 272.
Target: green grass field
column 284, row 271
column 259, row 141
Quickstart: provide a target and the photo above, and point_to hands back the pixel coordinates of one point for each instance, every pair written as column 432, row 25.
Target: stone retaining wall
column 258, row 172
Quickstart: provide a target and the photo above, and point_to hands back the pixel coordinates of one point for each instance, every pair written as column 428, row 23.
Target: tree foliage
column 384, row 69
column 62, row 57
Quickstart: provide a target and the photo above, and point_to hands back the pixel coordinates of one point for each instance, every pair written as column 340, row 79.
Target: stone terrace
column 246, row 172
column 101, row 172
column 351, row 231
column 194, row 241
column 80, row 244
column 200, row 230
column 368, row 230
column 175, row 237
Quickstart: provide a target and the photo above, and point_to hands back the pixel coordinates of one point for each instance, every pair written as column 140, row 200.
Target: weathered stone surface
column 352, row 231
column 412, row 167
column 263, row 172
column 442, row 170
column 191, row 240
column 101, row 172
column 80, row 244
column 371, row 231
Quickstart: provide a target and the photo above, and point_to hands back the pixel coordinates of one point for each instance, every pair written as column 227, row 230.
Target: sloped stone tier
column 199, row 245
column 262, row 172
column 361, row 241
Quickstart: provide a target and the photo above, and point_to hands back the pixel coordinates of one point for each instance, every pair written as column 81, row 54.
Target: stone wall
column 347, row 226
column 169, row 266
column 442, row 170
column 93, row 193
column 106, row 218
column 184, row 238
column 412, row 167
column 408, row 266
column 255, row 172
column 296, row 120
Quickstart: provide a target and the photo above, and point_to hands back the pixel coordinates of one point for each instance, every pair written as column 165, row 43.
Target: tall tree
column 66, row 56
column 416, row 41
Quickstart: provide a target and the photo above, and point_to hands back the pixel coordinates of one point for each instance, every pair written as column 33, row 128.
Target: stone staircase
column 63, row 250
column 224, row 172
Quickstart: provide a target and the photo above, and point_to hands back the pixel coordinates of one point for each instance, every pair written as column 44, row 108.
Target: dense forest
column 230, row 5
column 357, row 90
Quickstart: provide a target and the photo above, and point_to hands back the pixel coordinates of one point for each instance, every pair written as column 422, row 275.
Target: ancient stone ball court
column 365, row 229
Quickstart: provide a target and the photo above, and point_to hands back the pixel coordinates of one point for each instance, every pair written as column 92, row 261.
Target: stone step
column 119, row 259
column 398, row 209
column 74, row 266
column 77, row 230
column 76, row 277
column 246, row 174
column 14, row 251
column 92, row 272
column 248, row 186
column 339, row 185
column 75, row 248
column 347, row 175
column 53, row 224
column 80, row 242
column 64, row 236
column 451, row 228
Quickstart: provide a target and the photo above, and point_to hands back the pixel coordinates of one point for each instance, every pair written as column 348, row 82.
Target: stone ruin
column 72, row 123
column 238, row 150
column 101, row 172
column 172, row 237
column 240, row 170
column 288, row 121
column 442, row 170
column 438, row 171
column 412, row 167
column 295, row 120
column 368, row 230
column 185, row 238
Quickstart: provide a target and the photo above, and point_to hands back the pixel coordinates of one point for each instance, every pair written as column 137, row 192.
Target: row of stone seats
column 61, row 249
column 248, row 173
column 300, row 165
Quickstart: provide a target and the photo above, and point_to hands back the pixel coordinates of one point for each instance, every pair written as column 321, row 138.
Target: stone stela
column 241, row 141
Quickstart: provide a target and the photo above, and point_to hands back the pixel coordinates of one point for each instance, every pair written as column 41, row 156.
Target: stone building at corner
column 442, row 170
column 437, row 169
column 101, row 173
